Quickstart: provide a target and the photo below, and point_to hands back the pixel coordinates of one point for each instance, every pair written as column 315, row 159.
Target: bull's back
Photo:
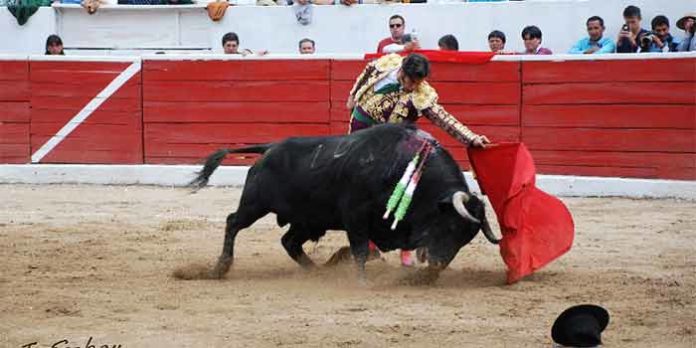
column 312, row 178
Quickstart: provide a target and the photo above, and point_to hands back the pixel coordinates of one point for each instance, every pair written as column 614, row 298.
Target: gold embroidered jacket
column 395, row 107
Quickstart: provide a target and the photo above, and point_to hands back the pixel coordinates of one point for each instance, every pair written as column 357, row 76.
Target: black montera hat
column 580, row 326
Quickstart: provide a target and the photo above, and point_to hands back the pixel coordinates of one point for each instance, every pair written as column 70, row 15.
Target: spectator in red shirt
column 532, row 41
column 397, row 27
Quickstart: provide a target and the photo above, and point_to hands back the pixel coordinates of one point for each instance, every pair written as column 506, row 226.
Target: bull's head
column 472, row 208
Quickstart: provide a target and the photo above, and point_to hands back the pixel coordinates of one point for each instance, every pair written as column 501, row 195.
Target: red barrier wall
column 629, row 118
column 111, row 134
column 192, row 108
column 14, row 111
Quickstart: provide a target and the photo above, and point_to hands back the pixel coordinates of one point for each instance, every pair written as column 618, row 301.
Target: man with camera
column 659, row 40
column 688, row 24
column 631, row 33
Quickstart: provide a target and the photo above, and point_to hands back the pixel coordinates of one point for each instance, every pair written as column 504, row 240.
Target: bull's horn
column 458, row 200
column 488, row 232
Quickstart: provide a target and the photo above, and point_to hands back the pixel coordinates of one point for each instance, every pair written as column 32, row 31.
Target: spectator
column 397, row 41
column 595, row 43
column 688, row 24
column 631, row 32
column 348, row 2
column 54, row 45
column 306, row 46
column 155, row 2
column 448, row 43
column 532, row 41
column 303, row 11
column 660, row 40
column 496, row 41
column 230, row 44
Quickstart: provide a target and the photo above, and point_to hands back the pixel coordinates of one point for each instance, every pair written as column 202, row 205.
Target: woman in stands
column 54, row 45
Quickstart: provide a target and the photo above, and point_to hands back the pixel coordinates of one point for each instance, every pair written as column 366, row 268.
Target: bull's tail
column 213, row 161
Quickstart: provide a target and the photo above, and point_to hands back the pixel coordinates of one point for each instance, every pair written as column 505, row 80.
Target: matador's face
column 408, row 84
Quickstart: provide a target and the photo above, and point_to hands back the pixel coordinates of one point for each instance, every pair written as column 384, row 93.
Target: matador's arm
column 443, row 119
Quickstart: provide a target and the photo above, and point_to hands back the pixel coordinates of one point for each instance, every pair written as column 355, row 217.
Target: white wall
column 27, row 38
column 336, row 29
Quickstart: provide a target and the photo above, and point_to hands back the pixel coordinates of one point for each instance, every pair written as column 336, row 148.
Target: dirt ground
column 97, row 261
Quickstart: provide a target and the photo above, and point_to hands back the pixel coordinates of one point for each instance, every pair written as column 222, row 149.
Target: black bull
column 317, row 184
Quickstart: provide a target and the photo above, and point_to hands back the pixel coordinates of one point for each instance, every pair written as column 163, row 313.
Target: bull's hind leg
column 292, row 242
column 243, row 218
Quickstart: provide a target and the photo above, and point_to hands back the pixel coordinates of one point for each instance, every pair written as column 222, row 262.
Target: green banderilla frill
column 400, row 187
column 403, row 193
column 402, row 183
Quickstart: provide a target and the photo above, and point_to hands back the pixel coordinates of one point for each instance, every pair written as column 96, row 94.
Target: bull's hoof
column 420, row 278
column 306, row 263
column 344, row 255
column 422, row 254
column 364, row 283
column 193, row 271
column 220, row 269
column 216, row 274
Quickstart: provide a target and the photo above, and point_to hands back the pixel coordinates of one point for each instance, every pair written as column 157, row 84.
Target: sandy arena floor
column 95, row 261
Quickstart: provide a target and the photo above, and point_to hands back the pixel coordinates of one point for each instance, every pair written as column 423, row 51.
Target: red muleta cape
column 445, row 56
column 537, row 228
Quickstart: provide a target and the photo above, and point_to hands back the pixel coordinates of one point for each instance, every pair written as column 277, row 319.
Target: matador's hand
column 480, row 141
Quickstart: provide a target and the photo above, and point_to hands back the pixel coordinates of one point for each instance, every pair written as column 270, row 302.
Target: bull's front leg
column 360, row 250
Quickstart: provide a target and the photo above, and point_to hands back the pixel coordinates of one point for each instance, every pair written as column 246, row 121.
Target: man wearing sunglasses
column 392, row 89
column 397, row 27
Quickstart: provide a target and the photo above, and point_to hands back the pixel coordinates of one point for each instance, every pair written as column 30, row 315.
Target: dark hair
column 403, row 21
column 230, row 37
column 498, row 34
column 659, row 20
column 631, row 11
column 449, row 42
column 595, row 18
column 533, row 31
column 416, row 66
column 54, row 40
column 299, row 45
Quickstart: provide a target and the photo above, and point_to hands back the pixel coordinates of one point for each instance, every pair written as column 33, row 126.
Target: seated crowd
column 631, row 38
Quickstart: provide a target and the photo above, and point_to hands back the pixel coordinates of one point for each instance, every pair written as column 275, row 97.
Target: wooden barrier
column 626, row 118
column 112, row 131
column 192, row 108
column 632, row 118
column 14, row 111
